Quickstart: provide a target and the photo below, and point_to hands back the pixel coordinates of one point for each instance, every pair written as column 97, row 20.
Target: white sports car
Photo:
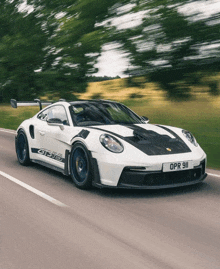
column 105, row 144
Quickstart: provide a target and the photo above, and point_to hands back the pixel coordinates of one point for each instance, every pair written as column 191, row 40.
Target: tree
column 171, row 43
column 53, row 46
column 50, row 47
column 75, row 44
column 21, row 53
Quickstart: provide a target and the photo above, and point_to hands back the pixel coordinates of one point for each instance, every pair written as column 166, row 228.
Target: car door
column 52, row 140
column 54, row 137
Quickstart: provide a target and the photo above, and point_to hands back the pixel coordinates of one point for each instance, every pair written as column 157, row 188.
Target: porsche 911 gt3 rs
column 105, row 144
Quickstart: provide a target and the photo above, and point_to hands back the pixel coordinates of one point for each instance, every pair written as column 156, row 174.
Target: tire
column 22, row 148
column 80, row 166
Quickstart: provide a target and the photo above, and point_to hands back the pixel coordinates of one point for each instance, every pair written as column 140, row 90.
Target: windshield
column 99, row 113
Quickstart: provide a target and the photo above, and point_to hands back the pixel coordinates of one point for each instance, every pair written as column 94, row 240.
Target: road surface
column 47, row 223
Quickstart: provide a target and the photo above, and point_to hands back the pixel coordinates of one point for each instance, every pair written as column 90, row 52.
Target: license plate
column 177, row 166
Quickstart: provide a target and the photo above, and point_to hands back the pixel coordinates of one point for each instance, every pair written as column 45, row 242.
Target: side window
column 58, row 112
column 53, row 112
column 43, row 115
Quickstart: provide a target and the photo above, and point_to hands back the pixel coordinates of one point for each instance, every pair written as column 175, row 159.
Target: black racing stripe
column 106, row 131
column 143, row 133
column 175, row 135
column 169, row 131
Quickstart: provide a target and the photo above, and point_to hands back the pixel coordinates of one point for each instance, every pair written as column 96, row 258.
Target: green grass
column 200, row 116
column 11, row 118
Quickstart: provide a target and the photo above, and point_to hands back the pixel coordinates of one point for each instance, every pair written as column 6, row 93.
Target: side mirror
column 145, row 119
column 55, row 122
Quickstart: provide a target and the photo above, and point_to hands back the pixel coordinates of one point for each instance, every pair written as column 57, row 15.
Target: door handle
column 42, row 133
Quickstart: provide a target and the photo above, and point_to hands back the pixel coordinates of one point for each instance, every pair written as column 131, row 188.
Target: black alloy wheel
column 80, row 166
column 22, row 149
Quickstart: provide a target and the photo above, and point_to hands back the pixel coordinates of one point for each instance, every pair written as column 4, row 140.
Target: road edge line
column 35, row 191
column 214, row 175
column 9, row 131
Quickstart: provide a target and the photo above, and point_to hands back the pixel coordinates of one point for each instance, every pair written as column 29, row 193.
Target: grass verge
column 11, row 118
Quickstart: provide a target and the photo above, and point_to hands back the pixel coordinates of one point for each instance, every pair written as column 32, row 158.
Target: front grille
column 172, row 177
column 132, row 177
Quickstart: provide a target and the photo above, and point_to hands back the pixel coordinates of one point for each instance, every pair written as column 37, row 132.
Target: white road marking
column 39, row 193
column 214, row 175
column 7, row 131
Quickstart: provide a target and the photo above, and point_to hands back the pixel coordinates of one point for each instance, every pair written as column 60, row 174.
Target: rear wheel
column 80, row 166
column 22, row 149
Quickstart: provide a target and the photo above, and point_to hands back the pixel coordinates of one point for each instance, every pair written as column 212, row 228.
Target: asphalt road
column 50, row 224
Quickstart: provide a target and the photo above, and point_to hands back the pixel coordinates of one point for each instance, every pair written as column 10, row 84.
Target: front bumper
column 134, row 178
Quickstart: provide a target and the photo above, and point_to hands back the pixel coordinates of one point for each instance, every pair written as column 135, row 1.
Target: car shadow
column 131, row 193
column 205, row 187
column 56, row 174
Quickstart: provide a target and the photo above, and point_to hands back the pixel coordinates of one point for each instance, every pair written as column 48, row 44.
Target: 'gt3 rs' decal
column 48, row 153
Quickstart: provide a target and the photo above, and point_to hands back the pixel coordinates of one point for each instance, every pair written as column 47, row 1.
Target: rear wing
column 36, row 102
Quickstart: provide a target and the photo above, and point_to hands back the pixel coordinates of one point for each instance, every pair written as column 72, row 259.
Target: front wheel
column 80, row 166
column 22, row 149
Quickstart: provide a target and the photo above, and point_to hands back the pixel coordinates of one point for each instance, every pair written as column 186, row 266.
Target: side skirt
column 49, row 166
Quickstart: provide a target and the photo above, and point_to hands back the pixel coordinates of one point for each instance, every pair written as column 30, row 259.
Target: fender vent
column 31, row 131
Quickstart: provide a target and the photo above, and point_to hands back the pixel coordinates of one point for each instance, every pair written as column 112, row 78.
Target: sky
column 111, row 63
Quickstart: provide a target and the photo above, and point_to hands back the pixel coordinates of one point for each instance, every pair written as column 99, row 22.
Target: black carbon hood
column 151, row 142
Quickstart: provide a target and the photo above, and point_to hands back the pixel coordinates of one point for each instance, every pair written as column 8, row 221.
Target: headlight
column 111, row 143
column 190, row 137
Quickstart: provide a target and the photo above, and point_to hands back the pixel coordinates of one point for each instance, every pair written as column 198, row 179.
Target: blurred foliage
column 173, row 42
column 75, row 44
column 21, row 43
column 49, row 46
column 97, row 96
column 54, row 45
